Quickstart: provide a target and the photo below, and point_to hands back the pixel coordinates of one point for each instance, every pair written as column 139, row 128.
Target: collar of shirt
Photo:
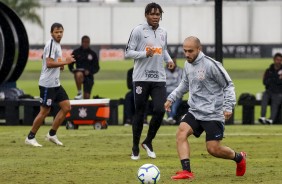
column 198, row 59
column 147, row 25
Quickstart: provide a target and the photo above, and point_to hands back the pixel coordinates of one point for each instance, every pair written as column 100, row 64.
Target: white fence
column 110, row 24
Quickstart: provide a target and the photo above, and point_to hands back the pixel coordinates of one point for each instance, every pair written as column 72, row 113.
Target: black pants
column 264, row 102
column 276, row 100
column 142, row 92
column 129, row 108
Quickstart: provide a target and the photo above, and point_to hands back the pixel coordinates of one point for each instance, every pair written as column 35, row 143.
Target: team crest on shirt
column 82, row 112
column 201, row 74
column 49, row 102
column 138, row 90
column 90, row 57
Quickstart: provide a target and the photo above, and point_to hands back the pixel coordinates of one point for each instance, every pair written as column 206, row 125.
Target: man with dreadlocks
column 147, row 45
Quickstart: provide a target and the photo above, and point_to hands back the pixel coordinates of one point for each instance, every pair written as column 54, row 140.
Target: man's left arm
column 226, row 83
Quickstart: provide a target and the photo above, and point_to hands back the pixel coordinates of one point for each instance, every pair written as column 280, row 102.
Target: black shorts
column 88, row 84
column 48, row 96
column 214, row 129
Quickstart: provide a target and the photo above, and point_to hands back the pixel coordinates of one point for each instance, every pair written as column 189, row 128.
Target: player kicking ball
column 211, row 100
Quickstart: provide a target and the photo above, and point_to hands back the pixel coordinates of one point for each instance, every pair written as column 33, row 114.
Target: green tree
column 25, row 9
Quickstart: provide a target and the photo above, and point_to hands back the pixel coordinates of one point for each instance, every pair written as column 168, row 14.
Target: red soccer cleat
column 183, row 175
column 241, row 166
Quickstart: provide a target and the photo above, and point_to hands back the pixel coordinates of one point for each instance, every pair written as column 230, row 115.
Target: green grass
column 102, row 157
column 110, row 82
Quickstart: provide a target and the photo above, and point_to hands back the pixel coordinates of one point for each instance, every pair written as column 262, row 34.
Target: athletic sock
column 79, row 92
column 31, row 135
column 52, row 132
column 238, row 157
column 186, row 165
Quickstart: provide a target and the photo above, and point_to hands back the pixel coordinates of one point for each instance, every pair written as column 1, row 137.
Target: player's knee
column 78, row 74
column 182, row 134
column 44, row 114
column 66, row 108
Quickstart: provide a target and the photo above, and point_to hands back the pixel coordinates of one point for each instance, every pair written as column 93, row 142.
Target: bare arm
column 51, row 64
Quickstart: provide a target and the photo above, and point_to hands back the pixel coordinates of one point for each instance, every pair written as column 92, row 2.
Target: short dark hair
column 277, row 55
column 151, row 6
column 85, row 37
column 56, row 25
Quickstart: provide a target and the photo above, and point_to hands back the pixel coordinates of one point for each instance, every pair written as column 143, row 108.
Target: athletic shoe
column 171, row 121
column 241, row 166
column 149, row 150
column 53, row 139
column 183, row 175
column 269, row 121
column 32, row 142
column 78, row 96
column 262, row 120
column 127, row 122
column 135, row 155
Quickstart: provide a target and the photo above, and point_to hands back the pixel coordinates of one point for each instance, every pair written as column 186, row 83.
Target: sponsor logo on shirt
column 157, row 50
column 152, row 74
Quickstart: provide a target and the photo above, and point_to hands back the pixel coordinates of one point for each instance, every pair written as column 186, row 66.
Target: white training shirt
column 49, row 77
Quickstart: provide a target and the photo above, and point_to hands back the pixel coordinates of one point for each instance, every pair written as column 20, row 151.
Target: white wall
column 243, row 23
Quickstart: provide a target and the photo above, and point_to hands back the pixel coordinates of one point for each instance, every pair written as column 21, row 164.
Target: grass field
column 110, row 82
column 102, row 157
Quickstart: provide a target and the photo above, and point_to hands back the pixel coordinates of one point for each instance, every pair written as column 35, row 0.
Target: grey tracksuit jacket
column 173, row 79
column 211, row 90
column 148, row 68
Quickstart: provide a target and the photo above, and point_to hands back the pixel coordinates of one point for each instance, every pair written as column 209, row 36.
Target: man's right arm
column 134, row 40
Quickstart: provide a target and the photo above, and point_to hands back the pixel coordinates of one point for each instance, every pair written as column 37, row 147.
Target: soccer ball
column 148, row 174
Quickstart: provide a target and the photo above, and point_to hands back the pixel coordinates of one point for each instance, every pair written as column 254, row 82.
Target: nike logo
column 146, row 36
column 217, row 136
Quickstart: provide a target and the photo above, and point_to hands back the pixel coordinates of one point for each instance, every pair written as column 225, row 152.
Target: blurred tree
column 25, row 9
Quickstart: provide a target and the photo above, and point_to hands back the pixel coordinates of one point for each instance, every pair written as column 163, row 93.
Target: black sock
column 238, row 157
column 31, row 135
column 52, row 132
column 186, row 165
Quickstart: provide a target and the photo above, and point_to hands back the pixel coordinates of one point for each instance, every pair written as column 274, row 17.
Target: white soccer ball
column 148, row 174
